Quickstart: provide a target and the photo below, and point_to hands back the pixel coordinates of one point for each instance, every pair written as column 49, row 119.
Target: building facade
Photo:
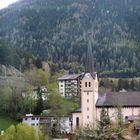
column 92, row 102
column 69, row 85
column 45, row 123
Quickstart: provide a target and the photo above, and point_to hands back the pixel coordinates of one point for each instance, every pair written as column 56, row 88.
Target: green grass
column 5, row 122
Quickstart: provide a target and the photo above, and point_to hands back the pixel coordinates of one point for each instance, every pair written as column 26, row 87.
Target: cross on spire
column 89, row 63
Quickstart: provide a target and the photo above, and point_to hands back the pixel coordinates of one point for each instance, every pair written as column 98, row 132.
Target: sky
column 5, row 3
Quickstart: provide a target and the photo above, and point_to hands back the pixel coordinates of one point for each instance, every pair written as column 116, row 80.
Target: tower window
column 87, row 93
column 87, row 117
column 89, row 84
column 77, row 121
column 85, row 84
column 87, row 108
column 87, row 100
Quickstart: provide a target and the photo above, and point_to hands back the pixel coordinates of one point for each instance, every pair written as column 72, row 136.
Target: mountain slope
column 59, row 31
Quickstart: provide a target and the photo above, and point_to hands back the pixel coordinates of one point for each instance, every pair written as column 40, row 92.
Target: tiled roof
column 69, row 77
column 124, row 99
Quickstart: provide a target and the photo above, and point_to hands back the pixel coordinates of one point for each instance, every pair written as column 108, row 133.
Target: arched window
column 77, row 121
column 89, row 84
column 85, row 84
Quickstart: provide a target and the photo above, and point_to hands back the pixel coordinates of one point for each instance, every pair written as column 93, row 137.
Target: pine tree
column 104, row 120
column 39, row 102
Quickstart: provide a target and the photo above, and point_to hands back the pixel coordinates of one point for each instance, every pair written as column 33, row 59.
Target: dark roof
column 35, row 116
column 89, row 67
column 42, row 116
column 69, row 77
column 77, row 110
column 124, row 99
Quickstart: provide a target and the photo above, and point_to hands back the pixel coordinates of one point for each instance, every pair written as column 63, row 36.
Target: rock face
column 10, row 71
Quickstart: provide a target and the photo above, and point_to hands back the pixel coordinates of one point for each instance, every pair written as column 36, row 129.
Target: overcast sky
column 5, row 3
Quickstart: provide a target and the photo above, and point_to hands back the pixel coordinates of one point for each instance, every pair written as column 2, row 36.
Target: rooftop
column 124, row 99
column 69, row 77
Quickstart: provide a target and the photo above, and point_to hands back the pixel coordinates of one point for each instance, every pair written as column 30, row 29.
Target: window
column 33, row 118
column 61, row 85
column 87, row 108
column 26, row 119
column 87, row 93
column 89, row 84
column 87, row 100
column 87, row 117
column 77, row 121
column 126, row 119
column 85, row 84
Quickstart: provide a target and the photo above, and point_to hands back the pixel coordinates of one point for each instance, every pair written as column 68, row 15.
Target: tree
column 60, row 106
column 39, row 102
column 119, row 116
column 104, row 119
column 105, row 130
column 120, row 84
column 37, row 76
column 22, row 132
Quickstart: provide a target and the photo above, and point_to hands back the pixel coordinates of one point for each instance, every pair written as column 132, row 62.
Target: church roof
column 89, row 67
column 124, row 99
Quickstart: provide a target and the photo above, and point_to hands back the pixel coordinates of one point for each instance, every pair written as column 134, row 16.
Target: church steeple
column 89, row 63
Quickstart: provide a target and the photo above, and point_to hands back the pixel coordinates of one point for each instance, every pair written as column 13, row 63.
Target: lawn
column 5, row 122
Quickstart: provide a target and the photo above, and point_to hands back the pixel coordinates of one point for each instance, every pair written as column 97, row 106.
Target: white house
column 47, row 122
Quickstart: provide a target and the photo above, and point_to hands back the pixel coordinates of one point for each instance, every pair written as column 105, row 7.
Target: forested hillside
column 59, row 31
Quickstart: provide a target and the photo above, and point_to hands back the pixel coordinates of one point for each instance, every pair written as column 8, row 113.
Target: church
column 92, row 102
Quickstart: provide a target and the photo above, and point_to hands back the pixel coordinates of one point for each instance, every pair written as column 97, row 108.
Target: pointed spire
column 89, row 63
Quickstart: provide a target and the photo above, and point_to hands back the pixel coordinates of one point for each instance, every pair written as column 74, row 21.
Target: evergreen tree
column 104, row 118
column 119, row 116
column 39, row 102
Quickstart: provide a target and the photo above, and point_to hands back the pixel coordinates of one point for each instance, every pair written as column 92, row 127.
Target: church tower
column 89, row 92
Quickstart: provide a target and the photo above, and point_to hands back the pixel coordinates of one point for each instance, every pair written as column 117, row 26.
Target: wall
column 89, row 96
column 74, row 116
column 126, row 111
column 30, row 121
column 62, row 88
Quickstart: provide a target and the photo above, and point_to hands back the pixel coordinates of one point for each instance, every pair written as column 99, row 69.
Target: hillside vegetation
column 59, row 31
column 5, row 122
